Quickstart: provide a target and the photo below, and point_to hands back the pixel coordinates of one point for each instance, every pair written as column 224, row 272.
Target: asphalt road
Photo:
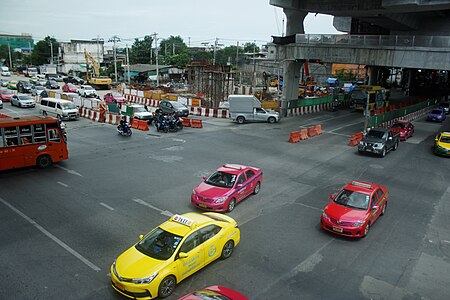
column 62, row 227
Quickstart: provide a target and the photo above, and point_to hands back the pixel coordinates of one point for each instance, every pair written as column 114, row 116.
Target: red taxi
column 405, row 129
column 5, row 95
column 229, row 185
column 355, row 209
column 69, row 88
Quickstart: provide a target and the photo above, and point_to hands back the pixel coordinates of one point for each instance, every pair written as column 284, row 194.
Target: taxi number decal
column 182, row 220
column 212, row 250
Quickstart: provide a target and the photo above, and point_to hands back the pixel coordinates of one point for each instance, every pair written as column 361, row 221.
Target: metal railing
column 374, row 40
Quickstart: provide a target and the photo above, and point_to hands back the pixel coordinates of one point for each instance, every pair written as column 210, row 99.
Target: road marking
column 163, row 212
column 306, row 265
column 51, row 236
column 63, row 184
column 106, row 205
column 445, row 241
column 69, row 171
column 312, row 207
column 347, row 125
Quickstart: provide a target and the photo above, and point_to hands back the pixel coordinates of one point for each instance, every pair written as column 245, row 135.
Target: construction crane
column 97, row 81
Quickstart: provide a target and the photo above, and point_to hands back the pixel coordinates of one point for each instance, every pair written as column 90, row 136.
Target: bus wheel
column 43, row 161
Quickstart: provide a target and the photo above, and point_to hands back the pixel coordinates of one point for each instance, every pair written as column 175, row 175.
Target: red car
column 404, row 128
column 229, row 185
column 214, row 292
column 5, row 95
column 114, row 97
column 69, row 88
column 355, row 209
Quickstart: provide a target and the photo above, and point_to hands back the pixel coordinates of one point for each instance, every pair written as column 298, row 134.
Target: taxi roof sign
column 231, row 166
column 183, row 220
column 362, row 184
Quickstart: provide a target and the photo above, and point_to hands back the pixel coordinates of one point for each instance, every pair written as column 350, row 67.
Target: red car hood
column 398, row 130
column 209, row 191
column 6, row 96
column 343, row 213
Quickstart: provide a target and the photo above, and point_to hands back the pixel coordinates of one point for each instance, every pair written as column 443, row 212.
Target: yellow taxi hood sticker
column 135, row 264
column 444, row 145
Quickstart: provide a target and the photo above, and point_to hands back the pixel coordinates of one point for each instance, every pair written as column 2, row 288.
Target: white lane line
column 69, row 171
column 106, row 205
column 347, row 125
column 305, row 266
column 445, row 241
column 62, row 183
column 312, row 207
column 163, row 212
column 51, row 236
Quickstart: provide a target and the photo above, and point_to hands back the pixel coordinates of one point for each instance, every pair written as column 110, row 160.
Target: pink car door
column 242, row 191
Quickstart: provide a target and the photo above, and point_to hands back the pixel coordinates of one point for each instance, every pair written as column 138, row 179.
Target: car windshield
column 178, row 105
column 159, row 244
column 353, row 199
column 445, row 139
column 209, row 295
column 88, row 87
column 8, row 92
column 68, row 106
column 444, row 104
column 71, row 86
column 139, row 109
column 25, row 97
column 375, row 134
column 399, row 125
column 39, row 88
column 221, row 179
column 436, row 112
column 117, row 95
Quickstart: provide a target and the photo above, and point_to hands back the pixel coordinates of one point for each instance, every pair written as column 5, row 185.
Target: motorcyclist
column 124, row 124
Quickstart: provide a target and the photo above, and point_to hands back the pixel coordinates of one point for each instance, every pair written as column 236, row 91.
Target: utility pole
column 98, row 39
column 237, row 54
column 215, row 46
column 173, row 49
column 10, row 60
column 29, row 45
column 51, row 52
column 254, row 65
column 128, row 66
column 157, row 59
column 115, row 39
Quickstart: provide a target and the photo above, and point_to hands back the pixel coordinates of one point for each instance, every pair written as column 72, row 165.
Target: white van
column 5, row 71
column 62, row 109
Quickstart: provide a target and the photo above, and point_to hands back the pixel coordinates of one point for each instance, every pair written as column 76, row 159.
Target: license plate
column 337, row 229
column 202, row 205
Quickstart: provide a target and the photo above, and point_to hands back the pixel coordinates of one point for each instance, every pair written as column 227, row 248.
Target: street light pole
column 157, row 59
column 115, row 39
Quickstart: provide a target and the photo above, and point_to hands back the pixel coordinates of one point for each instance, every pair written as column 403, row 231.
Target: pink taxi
column 226, row 187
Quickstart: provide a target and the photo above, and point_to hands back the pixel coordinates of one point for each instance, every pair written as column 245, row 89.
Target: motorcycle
column 124, row 131
column 161, row 124
column 179, row 122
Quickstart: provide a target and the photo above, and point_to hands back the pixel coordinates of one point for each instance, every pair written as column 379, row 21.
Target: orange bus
column 31, row 141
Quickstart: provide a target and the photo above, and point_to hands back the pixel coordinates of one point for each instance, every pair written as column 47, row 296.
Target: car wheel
column 257, row 188
column 271, row 120
column 231, row 205
column 396, row 145
column 383, row 209
column 43, row 161
column 383, row 152
column 227, row 249
column 58, row 117
column 167, row 286
column 44, row 113
column 20, row 105
column 240, row 120
column 366, row 230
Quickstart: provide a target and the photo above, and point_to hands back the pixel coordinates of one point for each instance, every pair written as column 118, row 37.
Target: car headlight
column 145, row 280
column 194, row 193
column 325, row 215
column 361, row 143
column 358, row 223
column 221, row 199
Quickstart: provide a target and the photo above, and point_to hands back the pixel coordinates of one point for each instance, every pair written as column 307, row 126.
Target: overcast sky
column 194, row 20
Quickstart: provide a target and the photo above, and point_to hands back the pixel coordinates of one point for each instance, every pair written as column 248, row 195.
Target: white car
column 87, row 91
column 6, row 73
column 1, row 104
column 22, row 101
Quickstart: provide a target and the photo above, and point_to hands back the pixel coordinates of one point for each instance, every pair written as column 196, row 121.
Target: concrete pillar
column 291, row 76
column 373, row 75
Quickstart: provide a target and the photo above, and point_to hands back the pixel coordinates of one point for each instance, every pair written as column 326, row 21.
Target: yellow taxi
column 442, row 143
column 171, row 252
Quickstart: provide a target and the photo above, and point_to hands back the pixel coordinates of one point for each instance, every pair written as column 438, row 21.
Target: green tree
column 228, row 54
column 174, row 46
column 42, row 51
column 251, row 48
column 140, row 52
column 201, row 54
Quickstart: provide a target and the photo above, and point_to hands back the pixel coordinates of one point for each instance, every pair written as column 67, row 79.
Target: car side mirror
column 375, row 207
column 239, row 185
column 332, row 196
column 204, row 177
column 182, row 255
column 141, row 237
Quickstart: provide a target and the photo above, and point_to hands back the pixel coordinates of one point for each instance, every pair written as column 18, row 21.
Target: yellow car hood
column 135, row 264
column 444, row 145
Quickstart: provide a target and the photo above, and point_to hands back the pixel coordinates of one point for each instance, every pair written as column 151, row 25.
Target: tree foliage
column 174, row 51
column 42, row 51
column 140, row 52
column 250, row 48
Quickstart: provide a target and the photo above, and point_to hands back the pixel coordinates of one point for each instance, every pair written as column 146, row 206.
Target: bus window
column 39, row 133
column 53, row 135
column 2, row 143
column 11, row 136
column 25, row 134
